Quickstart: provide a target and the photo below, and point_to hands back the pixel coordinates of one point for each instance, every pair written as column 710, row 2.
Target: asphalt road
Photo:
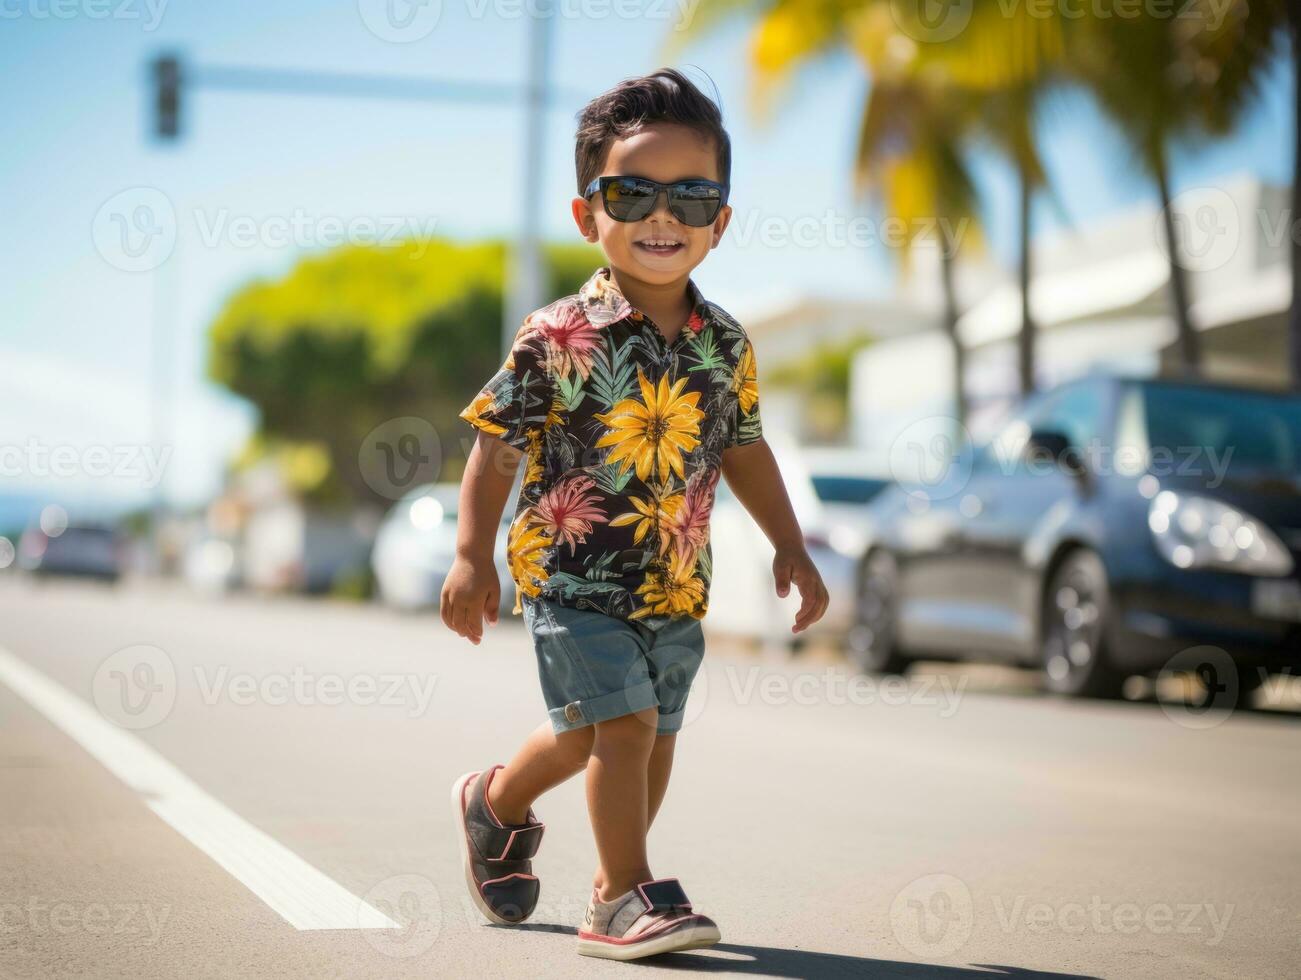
column 202, row 788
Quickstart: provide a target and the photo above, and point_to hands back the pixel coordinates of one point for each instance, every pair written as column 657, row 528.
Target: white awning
column 1268, row 293
column 1098, row 291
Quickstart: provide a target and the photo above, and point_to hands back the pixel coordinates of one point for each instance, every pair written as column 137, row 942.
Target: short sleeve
column 747, row 426
column 514, row 403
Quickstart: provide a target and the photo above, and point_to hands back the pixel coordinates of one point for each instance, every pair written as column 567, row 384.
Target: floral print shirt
column 624, row 434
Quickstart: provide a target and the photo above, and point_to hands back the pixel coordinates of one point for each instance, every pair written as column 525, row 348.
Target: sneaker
column 496, row 856
column 655, row 917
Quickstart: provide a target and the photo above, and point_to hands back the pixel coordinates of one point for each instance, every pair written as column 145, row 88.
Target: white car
column 829, row 488
column 416, row 544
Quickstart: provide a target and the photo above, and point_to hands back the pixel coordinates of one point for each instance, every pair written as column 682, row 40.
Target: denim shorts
column 595, row 667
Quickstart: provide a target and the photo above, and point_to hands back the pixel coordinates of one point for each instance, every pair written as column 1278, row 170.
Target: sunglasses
column 693, row 202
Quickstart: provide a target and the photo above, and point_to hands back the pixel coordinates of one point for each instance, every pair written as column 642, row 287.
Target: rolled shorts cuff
column 579, row 714
column 670, row 722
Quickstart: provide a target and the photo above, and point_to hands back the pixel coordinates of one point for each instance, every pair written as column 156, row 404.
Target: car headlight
column 426, row 513
column 848, row 541
column 1199, row 532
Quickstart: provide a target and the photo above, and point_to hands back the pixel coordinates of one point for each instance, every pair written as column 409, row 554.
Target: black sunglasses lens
column 629, row 199
column 695, row 204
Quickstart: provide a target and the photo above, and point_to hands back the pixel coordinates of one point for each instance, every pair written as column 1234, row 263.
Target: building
column 1100, row 298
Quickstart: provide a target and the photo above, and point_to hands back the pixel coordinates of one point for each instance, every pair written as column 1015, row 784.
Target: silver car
column 416, row 544
column 829, row 489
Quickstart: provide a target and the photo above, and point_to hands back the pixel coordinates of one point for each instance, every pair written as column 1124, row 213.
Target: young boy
column 628, row 400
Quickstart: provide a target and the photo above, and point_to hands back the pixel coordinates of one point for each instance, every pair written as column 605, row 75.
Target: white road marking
column 298, row 892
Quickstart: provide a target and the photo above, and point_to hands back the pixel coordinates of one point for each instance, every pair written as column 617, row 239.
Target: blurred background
column 259, row 256
column 1021, row 280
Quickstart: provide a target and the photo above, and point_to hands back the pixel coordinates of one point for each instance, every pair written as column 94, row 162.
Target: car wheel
column 873, row 639
column 1075, row 611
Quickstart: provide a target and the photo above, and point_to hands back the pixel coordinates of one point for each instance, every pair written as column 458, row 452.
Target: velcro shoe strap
column 663, row 895
column 513, row 843
column 513, row 897
column 521, row 843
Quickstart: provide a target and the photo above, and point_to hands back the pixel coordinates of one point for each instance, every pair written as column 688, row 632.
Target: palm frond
column 705, row 347
column 609, row 480
column 570, row 391
column 613, row 377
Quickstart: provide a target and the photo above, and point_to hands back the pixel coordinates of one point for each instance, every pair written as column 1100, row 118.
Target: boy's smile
column 658, row 251
column 661, row 244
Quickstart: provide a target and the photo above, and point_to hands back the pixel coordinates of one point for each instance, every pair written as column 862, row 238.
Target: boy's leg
column 544, row 761
column 657, row 775
column 618, row 800
column 657, row 784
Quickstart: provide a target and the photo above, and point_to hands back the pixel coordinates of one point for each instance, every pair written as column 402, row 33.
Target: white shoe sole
column 458, row 814
column 671, row 942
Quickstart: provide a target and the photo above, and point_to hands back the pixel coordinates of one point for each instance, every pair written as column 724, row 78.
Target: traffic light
column 167, row 97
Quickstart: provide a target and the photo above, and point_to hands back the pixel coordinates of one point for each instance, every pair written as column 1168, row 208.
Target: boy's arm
column 472, row 589
column 751, row 472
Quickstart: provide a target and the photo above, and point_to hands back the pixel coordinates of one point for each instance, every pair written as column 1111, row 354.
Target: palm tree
column 909, row 153
column 1233, row 60
column 1009, row 59
column 1228, row 59
column 1150, row 108
column 910, row 134
column 928, row 98
column 1161, row 78
column 1185, row 78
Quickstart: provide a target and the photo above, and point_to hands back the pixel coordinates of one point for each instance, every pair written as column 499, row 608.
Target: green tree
column 1177, row 76
column 1165, row 74
column 822, row 377
column 909, row 153
column 1006, row 59
column 356, row 336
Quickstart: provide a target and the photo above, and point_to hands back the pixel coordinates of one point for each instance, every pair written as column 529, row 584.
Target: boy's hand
column 470, row 592
column 794, row 565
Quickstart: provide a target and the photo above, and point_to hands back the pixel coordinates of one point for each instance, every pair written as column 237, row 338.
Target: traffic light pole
column 172, row 80
column 527, row 267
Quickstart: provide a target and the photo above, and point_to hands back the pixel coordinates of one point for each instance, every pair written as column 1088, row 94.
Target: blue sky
column 75, row 331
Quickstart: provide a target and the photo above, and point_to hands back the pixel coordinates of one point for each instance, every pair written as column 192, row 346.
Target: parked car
column 82, row 550
column 1111, row 524
column 416, row 545
column 290, row 546
column 829, row 490
column 211, row 564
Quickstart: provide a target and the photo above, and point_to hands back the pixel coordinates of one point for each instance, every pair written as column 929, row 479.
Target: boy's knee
column 576, row 745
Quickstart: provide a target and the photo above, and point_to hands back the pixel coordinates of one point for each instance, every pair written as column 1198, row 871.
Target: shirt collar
column 604, row 304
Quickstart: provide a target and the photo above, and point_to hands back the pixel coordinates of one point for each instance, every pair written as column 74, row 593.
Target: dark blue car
column 1111, row 528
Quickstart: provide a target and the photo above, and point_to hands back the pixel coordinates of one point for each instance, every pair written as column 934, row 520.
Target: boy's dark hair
column 665, row 96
